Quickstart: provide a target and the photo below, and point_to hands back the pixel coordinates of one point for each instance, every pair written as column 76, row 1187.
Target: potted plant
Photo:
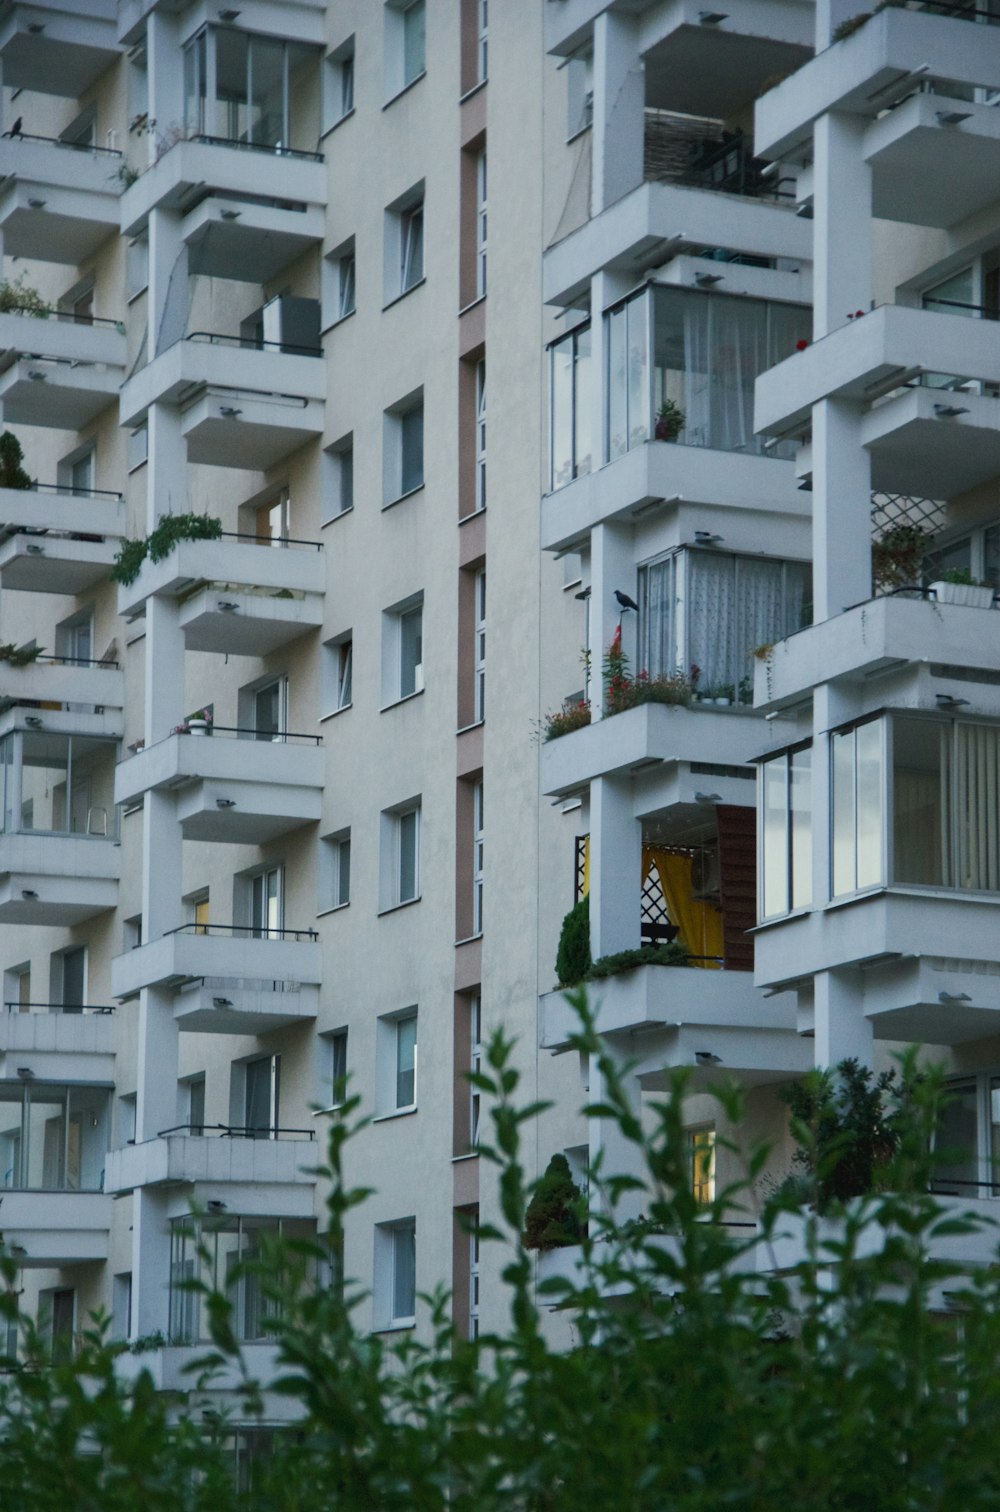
column 958, row 586
column 200, row 722
column 897, row 557
column 670, row 420
column 724, row 695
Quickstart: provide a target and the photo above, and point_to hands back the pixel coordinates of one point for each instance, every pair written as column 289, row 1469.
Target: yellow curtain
column 700, row 924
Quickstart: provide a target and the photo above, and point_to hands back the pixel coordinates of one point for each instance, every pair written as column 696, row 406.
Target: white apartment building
column 271, row 813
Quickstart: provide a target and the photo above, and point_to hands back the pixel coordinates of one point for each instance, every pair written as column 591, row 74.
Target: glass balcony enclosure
column 53, row 1137
column 784, row 828
column 58, row 784
column 710, row 610
column 701, row 350
column 222, row 1253
column 569, row 407
column 241, row 87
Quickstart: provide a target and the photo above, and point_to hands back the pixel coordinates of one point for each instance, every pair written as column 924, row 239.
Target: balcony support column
column 150, row 1263
column 842, row 224
column 841, row 510
column 610, row 1152
column 167, row 468
column 619, row 111
column 165, row 71
column 841, row 1028
column 611, row 566
column 615, row 868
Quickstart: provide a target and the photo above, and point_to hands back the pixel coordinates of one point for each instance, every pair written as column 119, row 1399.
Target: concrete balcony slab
column 194, row 566
column 646, row 737
column 875, row 67
column 190, row 172
column 236, row 791
column 917, row 448
column 894, row 924
column 628, row 236
column 928, row 171
column 880, row 636
column 867, row 358
column 793, row 1246
column 237, row 621
column 57, row 879
column 254, row 243
column 39, row 391
column 222, row 1007
column 58, row 202
column 651, row 997
column 932, row 1000
column 58, row 46
column 170, row 1369
column 55, row 564
column 216, row 1161
column 53, row 1229
column 59, row 1046
column 56, row 509
column 58, row 682
column 65, row 341
column 630, row 488
column 237, row 957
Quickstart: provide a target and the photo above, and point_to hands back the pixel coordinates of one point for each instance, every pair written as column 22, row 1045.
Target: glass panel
column 196, row 1106
column 844, row 818
column 404, row 1270
column 88, row 1137
column 956, row 1141
column 948, row 558
column 637, row 311
column 976, row 810
column 194, row 84
column 800, row 785
column 344, row 872
column 412, row 450
column 74, row 963
column 406, row 1062
column 774, row 836
column 561, row 440
column 267, row 85
column 258, row 1096
column 617, row 391
column 582, row 403
column 413, row 42
column 232, row 119
column 44, row 1159
column 44, row 775
column 869, row 804
column 919, row 819
column 994, row 1132
column 267, row 711
column 11, row 1115
column 410, row 652
column 407, row 856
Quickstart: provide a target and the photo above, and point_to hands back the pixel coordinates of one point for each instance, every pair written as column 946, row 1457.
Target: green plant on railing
column 17, row 297
column 572, row 716
column 672, row 954
column 19, row 656
column 850, row 26
column 573, row 956
column 898, row 556
column 623, row 691
column 159, row 545
column 12, row 472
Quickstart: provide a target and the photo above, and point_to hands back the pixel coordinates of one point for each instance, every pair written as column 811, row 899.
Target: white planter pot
column 197, row 727
column 970, row 595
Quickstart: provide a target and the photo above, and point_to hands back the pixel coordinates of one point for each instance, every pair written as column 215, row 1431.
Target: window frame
column 411, row 247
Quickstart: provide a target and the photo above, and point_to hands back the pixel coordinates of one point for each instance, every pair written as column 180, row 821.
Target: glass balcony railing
column 53, row 1137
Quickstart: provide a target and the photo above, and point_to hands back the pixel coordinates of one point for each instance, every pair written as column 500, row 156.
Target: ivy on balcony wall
column 159, row 545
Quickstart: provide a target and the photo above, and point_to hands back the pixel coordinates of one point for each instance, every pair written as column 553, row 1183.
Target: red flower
column 801, row 344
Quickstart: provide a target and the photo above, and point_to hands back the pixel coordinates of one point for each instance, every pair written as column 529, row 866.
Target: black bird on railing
column 15, row 130
column 624, row 601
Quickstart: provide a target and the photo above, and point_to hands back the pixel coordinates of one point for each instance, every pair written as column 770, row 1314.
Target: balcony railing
column 272, row 150
column 238, row 732
column 253, row 343
column 959, row 10
column 703, row 156
column 60, row 1008
column 27, row 136
column 236, row 1131
column 268, row 540
column 245, row 931
column 71, row 491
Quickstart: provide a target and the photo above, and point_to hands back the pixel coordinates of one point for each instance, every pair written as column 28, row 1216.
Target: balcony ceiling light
column 222, row 1002
column 706, row 280
column 708, row 538
column 949, row 411
column 36, row 377
column 29, row 893
column 228, row 15
column 708, row 797
column 36, row 28
column 225, row 803
column 949, row 701
column 229, row 412
column 707, row 1058
column 954, row 997
column 35, row 550
column 25, row 1073
column 227, row 606
column 37, row 204
column 216, row 1205
column 712, row 18
column 33, row 721
column 231, row 214
column 952, row 117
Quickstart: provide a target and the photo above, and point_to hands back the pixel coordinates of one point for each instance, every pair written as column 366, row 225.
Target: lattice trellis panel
column 890, row 511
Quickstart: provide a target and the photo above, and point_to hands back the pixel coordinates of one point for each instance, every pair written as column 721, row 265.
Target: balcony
column 234, row 786
column 274, row 1166
column 56, row 540
column 57, row 879
column 241, row 595
column 933, row 160
column 912, row 436
column 640, row 229
column 881, row 636
column 693, row 478
column 49, row 1230
column 263, row 960
column 876, row 68
column 59, row 373
column 653, row 735
column 51, row 1038
column 59, row 200
column 171, row 1367
column 53, row 681
column 222, row 1005
column 218, row 187
column 274, row 408
column 58, row 46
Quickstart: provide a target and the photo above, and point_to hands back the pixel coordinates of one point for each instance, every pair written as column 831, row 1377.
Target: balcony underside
column 214, row 1162
column 193, row 174
column 193, row 567
column 258, row 622
column 928, row 172
column 54, row 564
column 919, row 451
column 58, row 48
column 254, row 243
column 221, row 1008
column 63, row 225
column 54, row 1229
column 184, row 957
column 57, row 879
column 39, row 511
column 269, row 428
column 61, row 683
column 58, row 1046
column 61, row 395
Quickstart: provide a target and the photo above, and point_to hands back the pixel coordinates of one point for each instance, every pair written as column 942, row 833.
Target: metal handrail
column 277, row 736
column 961, row 10
column 991, row 312
column 29, row 136
column 292, row 152
column 245, row 535
column 245, row 931
column 252, row 344
column 79, row 661
column 234, row 1131
column 67, row 488
column 65, row 1008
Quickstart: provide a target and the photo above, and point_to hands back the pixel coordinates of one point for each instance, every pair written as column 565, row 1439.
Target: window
column 345, row 660
column 243, row 87
column 405, row 28
column 338, row 1067
column 72, row 972
column 480, row 435
column 857, row 768
column 194, row 1090
column 347, row 85
column 569, row 407
column 58, row 784
column 482, row 40
column 137, row 447
column 480, row 645
column 346, row 286
column 338, row 278
column 200, row 914
column 785, row 833
column 339, row 496
column 403, row 456
column 475, row 1064
column 127, row 1109
column 338, row 84
column 335, row 862
column 61, row 1308
column 136, row 267
column 481, row 224
column 265, row 896
column 701, row 1159
column 17, row 988
column 270, row 704
column 53, row 1136
column 406, row 1061
column 403, row 651
column 222, row 1252
column 474, row 1278
column 76, row 472
column 704, row 613
column 121, row 1313
column 272, row 520
column 395, row 1289
column 411, row 247
column 400, row 855
column 477, row 858
column 579, row 96
column 261, row 1093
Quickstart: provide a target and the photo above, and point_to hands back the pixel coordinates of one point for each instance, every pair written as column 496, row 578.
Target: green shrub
column 159, row 545
column 573, row 956
column 551, row 1220
column 673, row 954
column 19, row 298
column 12, row 473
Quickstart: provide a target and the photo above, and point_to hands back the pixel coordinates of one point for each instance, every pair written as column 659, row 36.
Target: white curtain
column 977, row 814
column 658, row 650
